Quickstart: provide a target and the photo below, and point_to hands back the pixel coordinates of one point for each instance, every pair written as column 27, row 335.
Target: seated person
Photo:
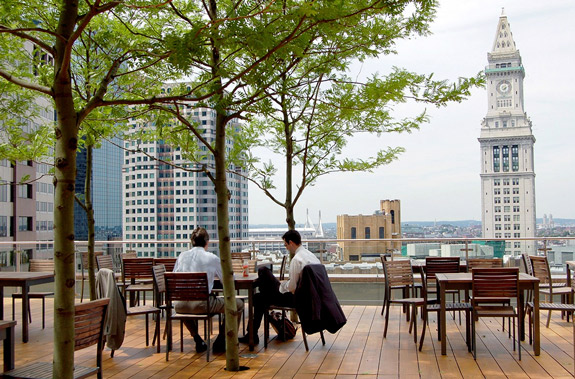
column 274, row 292
column 199, row 260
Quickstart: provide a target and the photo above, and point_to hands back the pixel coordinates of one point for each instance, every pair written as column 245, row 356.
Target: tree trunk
column 91, row 222
column 64, row 287
column 64, row 192
column 222, row 193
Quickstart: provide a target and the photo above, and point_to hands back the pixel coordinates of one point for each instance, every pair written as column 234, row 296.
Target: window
column 498, row 218
column 515, row 158
column 496, row 160
column 507, row 218
column 505, row 158
column 497, row 200
column 498, row 209
column 496, row 182
column 381, row 232
column 25, row 224
column 367, row 233
column 3, row 226
column 25, row 191
column 353, row 233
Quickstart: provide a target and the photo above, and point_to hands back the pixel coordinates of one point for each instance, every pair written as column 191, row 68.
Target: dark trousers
column 269, row 295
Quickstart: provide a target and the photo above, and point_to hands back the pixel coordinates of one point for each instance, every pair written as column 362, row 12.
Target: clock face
column 504, row 87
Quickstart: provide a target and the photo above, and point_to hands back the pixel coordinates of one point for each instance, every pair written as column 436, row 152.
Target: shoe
column 201, row 346
column 246, row 339
column 219, row 345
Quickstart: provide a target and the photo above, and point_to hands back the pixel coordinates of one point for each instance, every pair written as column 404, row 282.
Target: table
column 7, row 334
column 249, row 283
column 23, row 280
column 462, row 281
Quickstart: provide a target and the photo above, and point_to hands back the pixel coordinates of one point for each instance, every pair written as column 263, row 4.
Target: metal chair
column 493, row 290
column 187, row 286
column 89, row 320
column 399, row 275
column 36, row 265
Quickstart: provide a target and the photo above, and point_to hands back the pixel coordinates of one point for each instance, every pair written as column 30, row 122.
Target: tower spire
column 504, row 43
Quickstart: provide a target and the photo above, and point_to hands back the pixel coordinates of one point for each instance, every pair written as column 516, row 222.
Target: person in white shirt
column 274, row 292
column 199, row 260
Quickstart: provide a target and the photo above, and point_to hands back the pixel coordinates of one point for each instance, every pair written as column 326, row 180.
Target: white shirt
column 302, row 258
column 199, row 260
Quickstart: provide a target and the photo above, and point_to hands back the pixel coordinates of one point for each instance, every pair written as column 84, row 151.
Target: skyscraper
column 106, row 192
column 163, row 202
column 506, row 140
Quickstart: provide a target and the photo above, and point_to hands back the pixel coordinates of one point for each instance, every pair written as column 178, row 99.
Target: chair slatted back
column 168, row 263
column 283, row 267
column 129, row 254
column 527, row 263
column 105, row 261
column 242, row 255
column 238, row 265
column 89, row 319
column 85, row 262
column 137, row 268
column 41, row 265
column 183, row 286
column 441, row 265
column 540, row 268
column 473, row 263
column 159, row 272
column 494, row 284
column 398, row 273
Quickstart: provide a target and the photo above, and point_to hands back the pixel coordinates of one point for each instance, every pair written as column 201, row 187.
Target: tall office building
column 27, row 189
column 106, row 192
column 506, row 140
column 165, row 203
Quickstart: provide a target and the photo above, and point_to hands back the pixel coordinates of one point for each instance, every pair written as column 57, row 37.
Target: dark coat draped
column 316, row 303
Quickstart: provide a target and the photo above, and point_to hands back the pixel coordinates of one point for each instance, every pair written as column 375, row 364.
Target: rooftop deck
column 358, row 350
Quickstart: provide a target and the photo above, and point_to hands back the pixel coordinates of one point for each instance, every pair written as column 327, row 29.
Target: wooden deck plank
column 358, row 350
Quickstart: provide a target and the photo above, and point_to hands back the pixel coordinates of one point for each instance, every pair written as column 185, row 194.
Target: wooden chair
column 484, row 262
column 493, row 290
column 433, row 305
column 417, row 286
column 168, row 263
column 441, row 265
column 84, row 266
column 36, row 265
column 137, row 278
column 399, row 275
column 89, row 320
column 187, row 286
column 541, row 270
column 284, row 310
column 242, row 255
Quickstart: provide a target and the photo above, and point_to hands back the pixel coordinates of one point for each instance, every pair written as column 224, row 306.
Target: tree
column 126, row 44
column 314, row 108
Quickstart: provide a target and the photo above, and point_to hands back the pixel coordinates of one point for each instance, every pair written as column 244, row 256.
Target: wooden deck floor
column 356, row 351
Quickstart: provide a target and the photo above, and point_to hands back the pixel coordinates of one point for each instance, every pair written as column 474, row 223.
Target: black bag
column 284, row 327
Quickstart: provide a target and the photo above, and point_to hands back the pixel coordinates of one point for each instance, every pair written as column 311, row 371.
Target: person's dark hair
column 200, row 237
column 292, row 235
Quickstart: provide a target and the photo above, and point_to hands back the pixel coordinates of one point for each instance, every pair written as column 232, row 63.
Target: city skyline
column 437, row 178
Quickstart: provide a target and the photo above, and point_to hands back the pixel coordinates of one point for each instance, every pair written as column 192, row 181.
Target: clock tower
column 506, row 140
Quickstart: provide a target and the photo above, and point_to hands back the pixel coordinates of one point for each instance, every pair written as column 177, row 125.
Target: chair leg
column 304, row 340
column 82, row 289
column 266, row 328
column 182, row 336
column 322, row 337
column 43, row 312
column 147, row 332
column 208, row 334
column 424, row 321
column 473, row 342
column 386, row 320
column 548, row 318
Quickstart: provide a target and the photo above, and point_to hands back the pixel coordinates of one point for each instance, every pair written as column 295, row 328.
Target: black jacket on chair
column 316, row 303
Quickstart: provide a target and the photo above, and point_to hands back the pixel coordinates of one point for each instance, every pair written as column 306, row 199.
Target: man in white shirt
column 199, row 260
column 274, row 292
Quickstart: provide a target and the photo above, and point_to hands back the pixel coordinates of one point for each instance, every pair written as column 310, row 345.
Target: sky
column 437, row 178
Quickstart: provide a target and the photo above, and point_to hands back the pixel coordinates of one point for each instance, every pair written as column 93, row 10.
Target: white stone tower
column 507, row 173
